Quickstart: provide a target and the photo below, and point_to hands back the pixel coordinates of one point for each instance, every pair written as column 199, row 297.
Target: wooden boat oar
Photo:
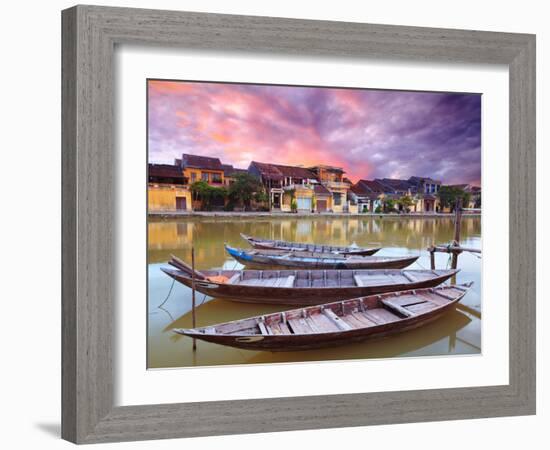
column 184, row 267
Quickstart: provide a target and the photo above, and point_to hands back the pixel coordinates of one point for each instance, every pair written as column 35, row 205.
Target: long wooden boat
column 302, row 287
column 270, row 244
column 259, row 259
column 336, row 323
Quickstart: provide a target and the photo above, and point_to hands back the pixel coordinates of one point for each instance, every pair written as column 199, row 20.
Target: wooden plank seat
column 268, row 282
column 381, row 316
column 300, row 326
column 370, row 280
column 398, row 308
column 338, row 321
column 405, row 300
column 324, row 324
column 420, row 308
column 362, row 318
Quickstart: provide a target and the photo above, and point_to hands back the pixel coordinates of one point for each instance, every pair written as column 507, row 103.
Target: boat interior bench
column 284, row 281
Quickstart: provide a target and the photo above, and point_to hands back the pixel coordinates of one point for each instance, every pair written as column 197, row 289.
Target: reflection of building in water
column 208, row 235
column 303, row 228
column 162, row 235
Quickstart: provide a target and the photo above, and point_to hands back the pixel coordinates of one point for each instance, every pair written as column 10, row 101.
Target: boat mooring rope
column 169, row 292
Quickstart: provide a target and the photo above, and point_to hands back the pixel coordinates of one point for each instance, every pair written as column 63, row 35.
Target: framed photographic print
column 293, row 207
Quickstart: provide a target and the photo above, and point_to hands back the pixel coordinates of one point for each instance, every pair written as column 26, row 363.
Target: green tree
column 261, row 197
column 389, row 205
column 293, row 205
column 448, row 195
column 201, row 190
column 405, row 202
column 245, row 188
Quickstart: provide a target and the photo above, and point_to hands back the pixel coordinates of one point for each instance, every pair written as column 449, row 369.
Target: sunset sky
column 370, row 133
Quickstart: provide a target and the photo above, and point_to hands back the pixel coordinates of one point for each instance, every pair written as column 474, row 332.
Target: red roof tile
column 201, row 162
column 278, row 171
column 319, row 189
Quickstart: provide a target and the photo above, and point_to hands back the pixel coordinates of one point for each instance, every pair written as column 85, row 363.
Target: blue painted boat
column 257, row 258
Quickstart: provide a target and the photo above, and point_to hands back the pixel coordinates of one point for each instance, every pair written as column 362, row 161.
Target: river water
column 458, row 332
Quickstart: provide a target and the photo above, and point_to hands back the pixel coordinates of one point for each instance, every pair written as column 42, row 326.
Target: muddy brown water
column 458, row 332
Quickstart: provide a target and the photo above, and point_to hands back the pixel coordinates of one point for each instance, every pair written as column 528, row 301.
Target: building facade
column 167, row 189
column 286, row 185
column 332, row 178
column 202, row 168
column 206, row 169
column 371, row 195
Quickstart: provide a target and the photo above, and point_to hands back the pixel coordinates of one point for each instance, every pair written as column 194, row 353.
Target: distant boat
column 302, row 287
column 268, row 244
column 336, row 323
column 311, row 260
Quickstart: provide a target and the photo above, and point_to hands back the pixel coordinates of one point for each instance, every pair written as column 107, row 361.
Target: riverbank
column 240, row 214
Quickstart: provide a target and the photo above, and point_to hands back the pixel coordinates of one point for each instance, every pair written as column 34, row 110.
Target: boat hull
column 274, row 259
column 264, row 244
column 299, row 296
column 296, row 342
column 312, row 342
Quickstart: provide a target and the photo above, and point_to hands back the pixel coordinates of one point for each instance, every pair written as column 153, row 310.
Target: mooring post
column 193, row 293
column 432, row 257
column 456, row 242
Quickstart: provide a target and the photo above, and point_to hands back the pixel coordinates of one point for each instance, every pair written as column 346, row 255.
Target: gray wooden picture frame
column 90, row 34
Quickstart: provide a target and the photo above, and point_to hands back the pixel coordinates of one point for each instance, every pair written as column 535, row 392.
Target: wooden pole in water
column 193, row 293
column 456, row 243
column 432, row 257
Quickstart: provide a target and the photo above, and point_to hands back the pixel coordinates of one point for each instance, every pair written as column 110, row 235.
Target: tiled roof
column 229, row 170
column 201, row 162
column 459, row 186
column 328, row 168
column 361, row 190
column 319, row 189
column 418, row 180
column 374, row 186
column 396, row 184
column 277, row 171
column 167, row 171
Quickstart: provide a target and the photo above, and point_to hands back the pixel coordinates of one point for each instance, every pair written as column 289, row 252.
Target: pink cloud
column 368, row 133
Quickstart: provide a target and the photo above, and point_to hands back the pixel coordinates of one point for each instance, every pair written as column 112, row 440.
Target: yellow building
column 167, row 189
column 303, row 195
column 202, row 168
column 333, row 179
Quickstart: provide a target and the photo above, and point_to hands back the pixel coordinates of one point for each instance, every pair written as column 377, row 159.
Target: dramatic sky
column 369, row 133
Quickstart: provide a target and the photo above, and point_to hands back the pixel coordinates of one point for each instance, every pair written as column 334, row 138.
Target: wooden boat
column 302, row 287
column 336, row 323
column 309, row 260
column 268, row 244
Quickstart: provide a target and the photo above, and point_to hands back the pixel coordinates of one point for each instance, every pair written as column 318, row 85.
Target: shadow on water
column 458, row 332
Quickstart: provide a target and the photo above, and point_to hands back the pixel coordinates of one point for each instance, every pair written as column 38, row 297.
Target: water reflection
column 459, row 332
